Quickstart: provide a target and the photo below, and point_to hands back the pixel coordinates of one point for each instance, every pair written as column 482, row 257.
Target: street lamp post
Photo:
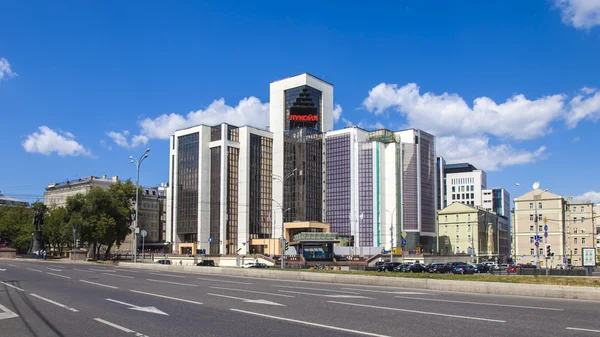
column 283, row 180
column 74, row 244
column 138, row 163
column 391, row 234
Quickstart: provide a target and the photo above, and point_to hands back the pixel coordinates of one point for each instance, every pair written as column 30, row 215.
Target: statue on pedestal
column 37, row 241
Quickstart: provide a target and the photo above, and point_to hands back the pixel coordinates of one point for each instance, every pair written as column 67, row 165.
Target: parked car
column 435, row 267
column 260, row 265
column 481, row 268
column 206, row 263
column 248, row 265
column 388, row 266
column 512, row 269
column 463, row 269
column 414, row 268
column 163, row 261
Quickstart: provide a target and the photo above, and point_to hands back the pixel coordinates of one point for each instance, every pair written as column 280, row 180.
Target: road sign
column 546, row 234
column 545, row 219
column 522, row 256
column 536, row 237
column 404, row 234
column 546, row 228
column 403, row 242
column 143, row 233
column 244, row 243
column 209, row 239
column 537, row 244
column 564, row 260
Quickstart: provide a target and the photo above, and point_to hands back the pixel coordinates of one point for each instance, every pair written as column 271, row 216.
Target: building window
column 582, row 209
column 457, row 228
column 532, row 252
column 469, row 217
column 576, row 251
column 583, row 231
column 453, row 189
column 531, row 239
column 574, row 219
column 540, row 217
column 468, row 228
column 530, row 217
column 582, row 219
column 574, row 208
column 531, row 228
column 582, row 241
column 575, row 230
column 445, row 218
column 541, row 251
column 456, row 217
column 472, row 187
column 457, row 239
column 539, row 205
column 472, row 195
column 445, row 229
column 575, row 240
column 531, row 205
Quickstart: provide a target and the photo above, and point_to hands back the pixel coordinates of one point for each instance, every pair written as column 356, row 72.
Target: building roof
column 5, row 199
column 313, row 76
column 544, row 195
column 459, row 168
column 576, row 201
column 459, row 207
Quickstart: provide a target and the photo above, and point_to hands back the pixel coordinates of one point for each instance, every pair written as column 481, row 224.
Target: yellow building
column 580, row 229
column 462, row 227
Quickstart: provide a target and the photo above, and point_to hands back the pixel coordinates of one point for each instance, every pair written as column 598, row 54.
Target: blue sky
column 507, row 85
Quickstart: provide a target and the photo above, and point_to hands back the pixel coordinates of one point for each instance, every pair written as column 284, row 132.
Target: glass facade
column 338, row 184
column 303, row 108
column 187, row 185
column 303, row 191
column 261, row 187
column 427, row 171
column 231, row 236
column 409, row 187
column 215, row 199
column 365, row 195
column 215, row 133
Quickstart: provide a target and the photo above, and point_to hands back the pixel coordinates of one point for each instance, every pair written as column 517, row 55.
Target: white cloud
column 588, row 91
column 250, row 111
column 478, row 151
column 48, row 141
column 120, row 138
column 580, row 13
column 583, row 107
column 337, row 113
column 593, row 196
column 448, row 114
column 5, row 70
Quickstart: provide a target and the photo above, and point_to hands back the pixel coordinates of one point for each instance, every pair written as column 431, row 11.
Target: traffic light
column 548, row 250
column 287, row 245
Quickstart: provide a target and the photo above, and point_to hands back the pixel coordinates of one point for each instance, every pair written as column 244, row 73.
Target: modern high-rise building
column 233, row 188
column 498, row 201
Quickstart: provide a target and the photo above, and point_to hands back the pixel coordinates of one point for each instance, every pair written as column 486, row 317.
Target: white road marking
column 12, row 265
column 247, row 300
column 129, row 271
column 7, row 313
column 150, row 309
column 167, row 297
column 53, row 269
column 63, row 276
column 389, row 292
column 116, row 326
column 85, row 271
column 420, row 312
column 10, row 285
column 330, row 290
column 124, row 276
column 358, row 332
column 167, row 275
column 177, row 283
column 251, row 291
column 221, row 281
column 325, row 295
column 479, row 303
column 99, row 284
column 54, row 302
column 102, row 270
column 39, row 271
column 2, row 269
column 581, row 329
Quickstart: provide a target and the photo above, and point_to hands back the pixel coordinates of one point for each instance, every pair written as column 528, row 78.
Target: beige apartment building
column 568, row 223
column 462, row 227
column 57, row 193
column 580, row 229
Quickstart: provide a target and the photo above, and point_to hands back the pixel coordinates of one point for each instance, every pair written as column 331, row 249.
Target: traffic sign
column 209, row 239
column 545, row 219
column 403, row 242
column 143, row 233
column 537, row 244
column 545, row 234
column 545, row 227
column 244, row 243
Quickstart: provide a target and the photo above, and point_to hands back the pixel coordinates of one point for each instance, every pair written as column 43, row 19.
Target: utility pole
column 137, row 163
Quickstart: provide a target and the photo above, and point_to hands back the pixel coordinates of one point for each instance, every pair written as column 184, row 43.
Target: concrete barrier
column 496, row 288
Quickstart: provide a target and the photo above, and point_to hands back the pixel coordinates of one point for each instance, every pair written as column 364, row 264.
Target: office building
column 498, row 201
column 57, row 193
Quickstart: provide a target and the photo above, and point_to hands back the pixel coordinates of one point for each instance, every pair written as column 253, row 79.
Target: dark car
column 463, row 269
column 482, row 268
column 437, row 268
column 414, row 268
column 388, row 266
column 260, row 265
column 206, row 263
column 163, row 261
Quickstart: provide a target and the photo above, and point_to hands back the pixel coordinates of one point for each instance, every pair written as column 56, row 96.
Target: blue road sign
column 536, row 237
column 546, row 234
column 209, row 239
column 546, row 227
column 403, row 242
column 537, row 244
column 564, row 260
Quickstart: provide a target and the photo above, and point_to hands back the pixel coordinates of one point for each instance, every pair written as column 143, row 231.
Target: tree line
column 101, row 219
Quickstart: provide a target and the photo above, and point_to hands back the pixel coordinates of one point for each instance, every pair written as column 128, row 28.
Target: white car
column 248, row 265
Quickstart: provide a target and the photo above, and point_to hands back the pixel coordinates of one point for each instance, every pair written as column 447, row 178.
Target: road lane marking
column 12, row 265
column 63, row 276
column 167, row 275
column 478, row 303
column 326, row 295
column 247, row 300
column 54, row 302
column 85, row 271
column 7, row 313
column 420, row 312
column 124, row 276
column 358, row 332
column 581, row 329
column 129, row 271
column 53, row 269
column 221, row 281
column 116, row 326
column 252, row 291
column 389, row 292
column 167, row 297
column 10, row 285
column 99, row 284
column 149, row 309
column 177, row 283
column 102, row 270
column 304, row 288
column 39, row 271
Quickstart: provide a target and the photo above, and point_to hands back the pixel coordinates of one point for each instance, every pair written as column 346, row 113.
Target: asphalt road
column 40, row 298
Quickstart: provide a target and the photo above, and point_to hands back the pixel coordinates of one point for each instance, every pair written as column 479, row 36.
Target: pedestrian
column 44, row 254
column 37, row 254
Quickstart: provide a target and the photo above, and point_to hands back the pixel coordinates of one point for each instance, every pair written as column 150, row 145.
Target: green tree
column 56, row 230
column 16, row 227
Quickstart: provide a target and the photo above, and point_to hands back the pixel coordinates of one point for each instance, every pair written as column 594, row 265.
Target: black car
column 414, row 268
column 206, row 263
column 260, row 265
column 463, row 269
column 163, row 261
column 388, row 266
column 437, row 268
